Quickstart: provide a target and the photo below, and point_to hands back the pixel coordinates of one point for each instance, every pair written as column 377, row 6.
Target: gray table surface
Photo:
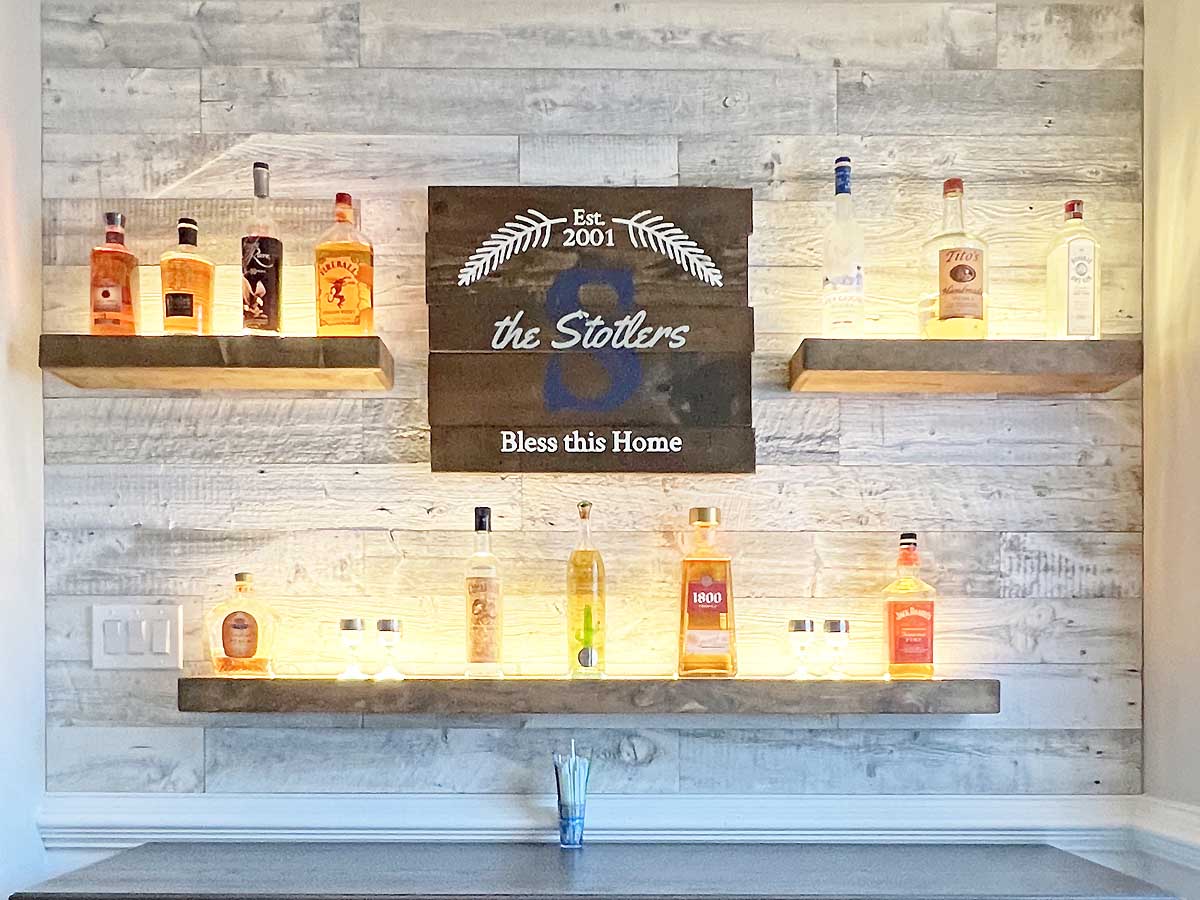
column 603, row 871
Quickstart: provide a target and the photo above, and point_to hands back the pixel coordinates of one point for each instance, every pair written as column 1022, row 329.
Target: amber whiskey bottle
column 187, row 284
column 241, row 632
column 706, row 634
column 114, row 282
column 908, row 610
column 345, row 269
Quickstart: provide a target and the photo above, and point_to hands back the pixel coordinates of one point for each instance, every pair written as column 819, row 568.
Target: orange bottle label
column 910, row 631
column 960, row 283
column 239, row 635
column 344, row 287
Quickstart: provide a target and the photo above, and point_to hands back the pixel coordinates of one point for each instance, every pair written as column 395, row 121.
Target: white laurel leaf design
column 523, row 232
column 652, row 232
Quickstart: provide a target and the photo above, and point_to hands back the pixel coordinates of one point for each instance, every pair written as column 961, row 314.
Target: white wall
column 21, row 609
column 1172, row 411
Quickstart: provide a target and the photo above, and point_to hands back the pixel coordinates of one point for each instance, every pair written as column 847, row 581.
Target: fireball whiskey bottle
column 115, row 299
column 485, row 609
column 262, row 262
column 241, row 632
column 908, row 609
column 706, row 636
column 959, row 273
column 585, row 603
column 187, row 284
column 345, row 267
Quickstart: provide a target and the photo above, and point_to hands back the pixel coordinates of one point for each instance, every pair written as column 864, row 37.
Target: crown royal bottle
column 241, row 632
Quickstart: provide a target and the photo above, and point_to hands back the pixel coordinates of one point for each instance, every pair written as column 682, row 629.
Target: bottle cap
column 908, row 539
column 388, row 625
column 261, row 165
column 1073, row 209
column 952, row 186
column 704, row 515
column 803, row 626
column 585, row 509
column 343, row 199
column 837, row 626
column 114, row 218
column 262, row 180
column 189, row 231
column 243, row 578
column 352, row 624
column 483, row 518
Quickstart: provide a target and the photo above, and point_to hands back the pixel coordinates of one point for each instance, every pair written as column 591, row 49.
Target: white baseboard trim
column 1169, row 830
column 112, row 821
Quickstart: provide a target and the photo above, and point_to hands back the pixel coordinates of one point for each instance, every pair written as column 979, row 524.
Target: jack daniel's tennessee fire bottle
column 908, row 611
column 706, row 636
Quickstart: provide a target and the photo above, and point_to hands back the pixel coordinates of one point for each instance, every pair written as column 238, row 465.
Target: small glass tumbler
column 352, row 639
column 800, row 638
column 390, row 631
column 571, row 772
column 837, row 634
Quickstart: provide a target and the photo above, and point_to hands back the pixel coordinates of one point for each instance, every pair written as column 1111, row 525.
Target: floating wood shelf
column 527, row 696
column 218, row 362
column 963, row 367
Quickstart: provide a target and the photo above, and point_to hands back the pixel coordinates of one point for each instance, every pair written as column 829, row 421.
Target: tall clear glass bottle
column 115, row 293
column 585, row 603
column 1073, row 279
column 908, row 611
column 345, row 270
column 842, row 291
column 707, row 644
column 187, row 284
column 262, row 262
column 485, row 605
column 959, row 276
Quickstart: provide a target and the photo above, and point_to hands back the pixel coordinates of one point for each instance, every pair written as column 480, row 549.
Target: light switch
column 148, row 636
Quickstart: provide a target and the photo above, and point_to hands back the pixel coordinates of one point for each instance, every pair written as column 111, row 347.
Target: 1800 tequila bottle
column 706, row 635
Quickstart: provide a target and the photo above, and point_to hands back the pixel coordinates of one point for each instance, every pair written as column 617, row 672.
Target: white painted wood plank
column 180, row 33
column 599, row 159
column 799, row 167
column 1071, row 565
column 517, row 101
column 448, row 760
column 125, row 759
column 119, row 101
column 999, row 432
column 717, row 34
column 1070, row 35
column 916, row 762
column 796, row 433
column 215, row 165
column 395, row 431
column 878, row 101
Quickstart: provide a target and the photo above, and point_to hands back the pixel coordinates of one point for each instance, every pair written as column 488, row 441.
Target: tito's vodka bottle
column 262, row 262
column 842, row 262
column 958, row 260
column 485, row 610
column 1073, row 279
column 706, row 636
column 908, row 610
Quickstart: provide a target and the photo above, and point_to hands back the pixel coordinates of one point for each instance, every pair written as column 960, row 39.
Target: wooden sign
column 589, row 329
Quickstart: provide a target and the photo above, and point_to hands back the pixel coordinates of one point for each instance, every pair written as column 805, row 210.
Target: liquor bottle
column 115, row 299
column 585, row 602
column 842, row 296
column 262, row 262
column 961, row 281
column 241, row 632
column 1073, row 279
column 187, row 284
column 345, row 267
column 485, row 607
column 706, row 635
column 908, row 609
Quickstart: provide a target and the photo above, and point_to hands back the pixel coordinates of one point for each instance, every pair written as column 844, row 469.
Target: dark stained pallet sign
column 589, row 329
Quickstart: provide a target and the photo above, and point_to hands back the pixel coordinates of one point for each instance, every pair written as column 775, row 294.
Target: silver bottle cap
column 114, row 218
column 388, row 625
column 354, row 624
column 262, row 180
column 837, row 626
column 802, row 626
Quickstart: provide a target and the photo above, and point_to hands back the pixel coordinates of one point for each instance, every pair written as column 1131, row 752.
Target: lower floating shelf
column 610, row 696
column 218, row 362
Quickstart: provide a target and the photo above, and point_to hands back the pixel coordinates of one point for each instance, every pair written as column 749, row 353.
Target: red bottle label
column 911, row 630
column 707, row 595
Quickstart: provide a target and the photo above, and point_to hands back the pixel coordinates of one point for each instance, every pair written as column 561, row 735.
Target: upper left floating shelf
column 218, row 362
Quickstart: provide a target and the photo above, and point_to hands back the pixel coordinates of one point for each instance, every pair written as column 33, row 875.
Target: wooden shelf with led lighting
column 871, row 366
column 609, row 696
column 198, row 362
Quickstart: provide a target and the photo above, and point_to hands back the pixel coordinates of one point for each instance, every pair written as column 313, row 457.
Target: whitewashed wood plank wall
column 1031, row 510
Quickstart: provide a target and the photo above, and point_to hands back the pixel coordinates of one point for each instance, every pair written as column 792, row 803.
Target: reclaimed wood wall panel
column 1029, row 509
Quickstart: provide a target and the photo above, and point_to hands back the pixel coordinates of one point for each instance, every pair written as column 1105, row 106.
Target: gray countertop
column 411, row 871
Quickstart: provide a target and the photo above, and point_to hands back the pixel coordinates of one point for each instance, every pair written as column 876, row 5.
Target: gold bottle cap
column 243, row 578
column 585, row 509
column 704, row 515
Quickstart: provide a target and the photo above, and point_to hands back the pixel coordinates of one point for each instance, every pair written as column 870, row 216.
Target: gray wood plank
column 716, row 34
column 446, row 760
column 921, row 762
column 119, row 101
column 182, row 34
column 1070, row 35
column 145, row 760
column 1071, row 565
column 600, row 159
column 1047, row 101
column 517, row 101
column 669, row 871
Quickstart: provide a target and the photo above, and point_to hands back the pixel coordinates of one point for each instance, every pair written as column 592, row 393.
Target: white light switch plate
column 137, row 637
